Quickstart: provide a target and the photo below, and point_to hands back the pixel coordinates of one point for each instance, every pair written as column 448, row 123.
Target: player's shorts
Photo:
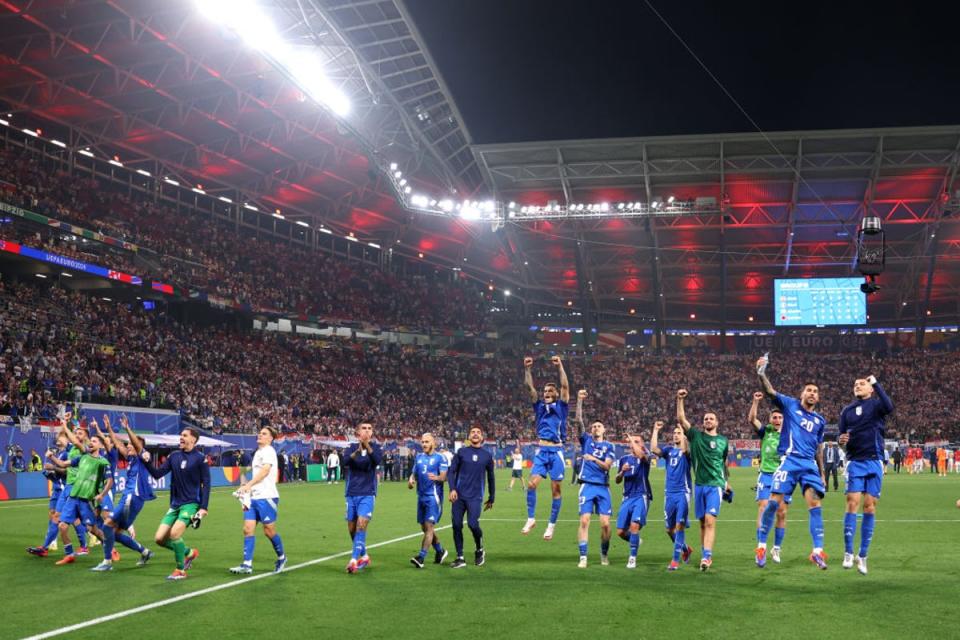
column 706, row 501
column 676, row 509
column 595, row 498
column 632, row 510
column 62, row 500
column 183, row 513
column 77, row 508
column 127, row 511
column 864, row 476
column 360, row 507
column 55, row 497
column 106, row 505
column 429, row 509
column 516, row 473
column 549, row 462
column 793, row 473
column 765, row 486
column 262, row 510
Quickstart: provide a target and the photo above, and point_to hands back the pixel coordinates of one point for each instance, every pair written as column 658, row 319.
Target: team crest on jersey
column 713, row 445
column 183, row 464
column 474, row 457
column 859, row 411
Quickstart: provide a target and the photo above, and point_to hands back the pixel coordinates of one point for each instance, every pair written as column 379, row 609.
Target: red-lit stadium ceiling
column 793, row 202
column 166, row 90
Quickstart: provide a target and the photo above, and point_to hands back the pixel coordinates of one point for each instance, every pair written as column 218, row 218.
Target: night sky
column 560, row 69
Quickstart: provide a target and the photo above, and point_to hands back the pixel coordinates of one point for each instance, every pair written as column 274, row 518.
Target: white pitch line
column 201, row 592
column 483, row 519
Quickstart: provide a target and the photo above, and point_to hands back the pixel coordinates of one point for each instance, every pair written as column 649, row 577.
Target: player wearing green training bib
column 769, row 435
column 708, row 456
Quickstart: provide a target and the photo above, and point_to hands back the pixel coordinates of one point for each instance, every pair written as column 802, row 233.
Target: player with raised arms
column 429, row 474
column 633, row 470
column 594, row 478
column 550, row 418
column 260, row 500
column 769, row 435
column 676, row 490
column 801, row 445
column 189, row 498
column 708, row 455
column 93, row 480
column 136, row 491
column 862, row 430
column 360, row 461
column 57, row 478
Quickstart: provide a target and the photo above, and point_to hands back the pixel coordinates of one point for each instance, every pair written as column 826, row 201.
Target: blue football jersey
column 678, row 470
column 138, row 480
column 636, row 481
column 551, row 420
column 425, row 465
column 802, row 430
column 590, row 471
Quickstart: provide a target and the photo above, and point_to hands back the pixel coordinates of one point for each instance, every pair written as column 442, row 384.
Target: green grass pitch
column 528, row 589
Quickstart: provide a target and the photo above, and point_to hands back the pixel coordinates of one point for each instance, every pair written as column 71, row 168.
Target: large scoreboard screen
column 818, row 302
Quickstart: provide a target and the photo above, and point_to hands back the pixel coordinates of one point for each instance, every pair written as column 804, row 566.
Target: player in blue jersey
column 769, row 435
column 862, row 430
column 550, row 416
column 429, row 474
column 104, row 509
column 136, row 491
column 189, row 498
column 470, row 469
column 677, row 488
column 594, row 478
column 58, row 480
column 360, row 461
column 633, row 470
column 801, row 445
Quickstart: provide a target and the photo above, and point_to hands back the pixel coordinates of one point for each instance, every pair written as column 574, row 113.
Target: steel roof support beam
column 792, row 209
column 659, row 304
column 931, row 243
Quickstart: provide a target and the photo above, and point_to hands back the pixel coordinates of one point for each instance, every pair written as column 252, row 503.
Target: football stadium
column 393, row 318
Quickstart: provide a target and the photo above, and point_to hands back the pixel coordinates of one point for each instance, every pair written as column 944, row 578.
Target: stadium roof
column 168, row 91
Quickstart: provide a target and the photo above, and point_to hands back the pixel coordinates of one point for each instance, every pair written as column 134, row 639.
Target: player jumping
column 551, row 424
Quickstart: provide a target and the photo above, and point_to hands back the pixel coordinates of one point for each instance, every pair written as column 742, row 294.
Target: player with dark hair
column 862, row 429
column 633, row 470
column 594, row 479
column 360, row 461
column 550, row 415
column 769, row 435
column 260, row 500
column 676, row 490
column 136, row 491
column 471, row 464
column 189, row 498
column 801, row 445
column 93, row 480
column 708, row 455
column 57, row 478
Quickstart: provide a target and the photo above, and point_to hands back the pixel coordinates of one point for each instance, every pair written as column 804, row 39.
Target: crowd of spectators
column 58, row 345
column 198, row 252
